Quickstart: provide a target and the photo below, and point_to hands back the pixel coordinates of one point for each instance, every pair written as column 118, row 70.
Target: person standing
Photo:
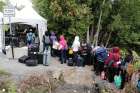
column 46, row 40
column 30, row 37
column 76, row 47
column 53, row 39
column 63, row 48
column 112, row 62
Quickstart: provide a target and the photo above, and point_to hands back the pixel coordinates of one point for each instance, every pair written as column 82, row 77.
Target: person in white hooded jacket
column 76, row 47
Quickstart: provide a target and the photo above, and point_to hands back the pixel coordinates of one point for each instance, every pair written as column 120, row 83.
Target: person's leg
column 65, row 56
column 62, row 57
column 75, row 58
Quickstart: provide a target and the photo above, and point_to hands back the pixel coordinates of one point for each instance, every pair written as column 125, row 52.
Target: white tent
column 1, row 18
column 29, row 16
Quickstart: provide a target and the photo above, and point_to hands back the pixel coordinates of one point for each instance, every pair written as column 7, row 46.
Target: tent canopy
column 26, row 15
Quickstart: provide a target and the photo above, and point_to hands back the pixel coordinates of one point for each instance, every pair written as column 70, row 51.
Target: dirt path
column 74, row 76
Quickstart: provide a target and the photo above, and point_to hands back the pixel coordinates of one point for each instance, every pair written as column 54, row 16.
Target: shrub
column 6, row 86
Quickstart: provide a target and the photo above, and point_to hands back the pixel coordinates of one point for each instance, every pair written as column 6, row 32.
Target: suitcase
column 33, row 55
column 31, row 62
column 33, row 48
column 70, row 62
column 23, row 59
column 40, row 58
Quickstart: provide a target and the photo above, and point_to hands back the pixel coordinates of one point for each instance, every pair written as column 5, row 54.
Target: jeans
column 63, row 56
column 45, row 46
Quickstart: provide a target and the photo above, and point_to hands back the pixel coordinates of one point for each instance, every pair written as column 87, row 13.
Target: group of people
column 60, row 46
column 112, row 67
column 107, row 63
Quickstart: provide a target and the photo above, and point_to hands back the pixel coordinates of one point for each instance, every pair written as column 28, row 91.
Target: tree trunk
column 104, row 38
column 88, row 39
column 108, row 39
column 99, row 23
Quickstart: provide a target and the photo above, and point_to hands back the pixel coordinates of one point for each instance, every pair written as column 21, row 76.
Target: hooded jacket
column 113, row 55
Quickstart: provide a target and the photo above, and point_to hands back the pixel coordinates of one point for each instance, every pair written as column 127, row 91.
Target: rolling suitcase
column 40, row 58
column 70, row 62
column 31, row 62
column 23, row 59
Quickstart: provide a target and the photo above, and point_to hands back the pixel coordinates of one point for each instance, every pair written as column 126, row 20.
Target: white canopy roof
column 27, row 16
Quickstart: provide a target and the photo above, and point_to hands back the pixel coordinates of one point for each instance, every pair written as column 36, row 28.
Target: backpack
column 101, row 54
column 47, row 39
column 30, row 36
column 118, row 81
column 70, row 51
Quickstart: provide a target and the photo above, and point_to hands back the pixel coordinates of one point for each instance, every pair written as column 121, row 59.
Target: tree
column 1, row 5
column 66, row 16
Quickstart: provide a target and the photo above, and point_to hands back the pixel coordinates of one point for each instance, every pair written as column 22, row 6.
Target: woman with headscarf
column 76, row 47
column 63, row 48
column 113, row 62
column 53, row 39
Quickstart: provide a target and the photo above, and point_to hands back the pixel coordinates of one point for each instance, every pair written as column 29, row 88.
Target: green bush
column 6, row 86
column 4, row 73
column 137, row 65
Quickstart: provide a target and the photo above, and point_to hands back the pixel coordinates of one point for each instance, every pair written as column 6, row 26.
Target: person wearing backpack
column 101, row 55
column 46, row 40
column 30, row 37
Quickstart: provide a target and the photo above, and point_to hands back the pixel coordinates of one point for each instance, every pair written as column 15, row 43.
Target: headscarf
column 114, row 55
column 53, row 37
column 63, row 42
column 76, row 40
column 76, row 43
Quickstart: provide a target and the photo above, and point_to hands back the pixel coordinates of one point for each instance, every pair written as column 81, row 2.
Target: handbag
column 55, row 45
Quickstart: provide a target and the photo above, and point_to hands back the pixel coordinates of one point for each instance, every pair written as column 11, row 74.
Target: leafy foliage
column 66, row 16
column 120, row 17
column 1, row 5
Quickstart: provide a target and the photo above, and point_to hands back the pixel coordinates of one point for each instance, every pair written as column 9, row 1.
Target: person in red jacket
column 113, row 62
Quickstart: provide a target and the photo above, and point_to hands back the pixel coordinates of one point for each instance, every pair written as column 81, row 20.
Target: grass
column 4, row 73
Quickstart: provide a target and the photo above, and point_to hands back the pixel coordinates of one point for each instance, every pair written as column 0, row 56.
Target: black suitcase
column 31, row 62
column 40, row 58
column 33, row 48
column 70, row 62
column 33, row 55
column 23, row 59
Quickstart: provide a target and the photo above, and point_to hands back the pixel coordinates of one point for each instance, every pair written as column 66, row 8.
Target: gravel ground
column 76, row 78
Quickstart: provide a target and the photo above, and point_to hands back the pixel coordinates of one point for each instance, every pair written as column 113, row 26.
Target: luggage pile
column 34, row 56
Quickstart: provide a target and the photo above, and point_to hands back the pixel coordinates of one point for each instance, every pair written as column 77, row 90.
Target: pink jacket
column 63, row 42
